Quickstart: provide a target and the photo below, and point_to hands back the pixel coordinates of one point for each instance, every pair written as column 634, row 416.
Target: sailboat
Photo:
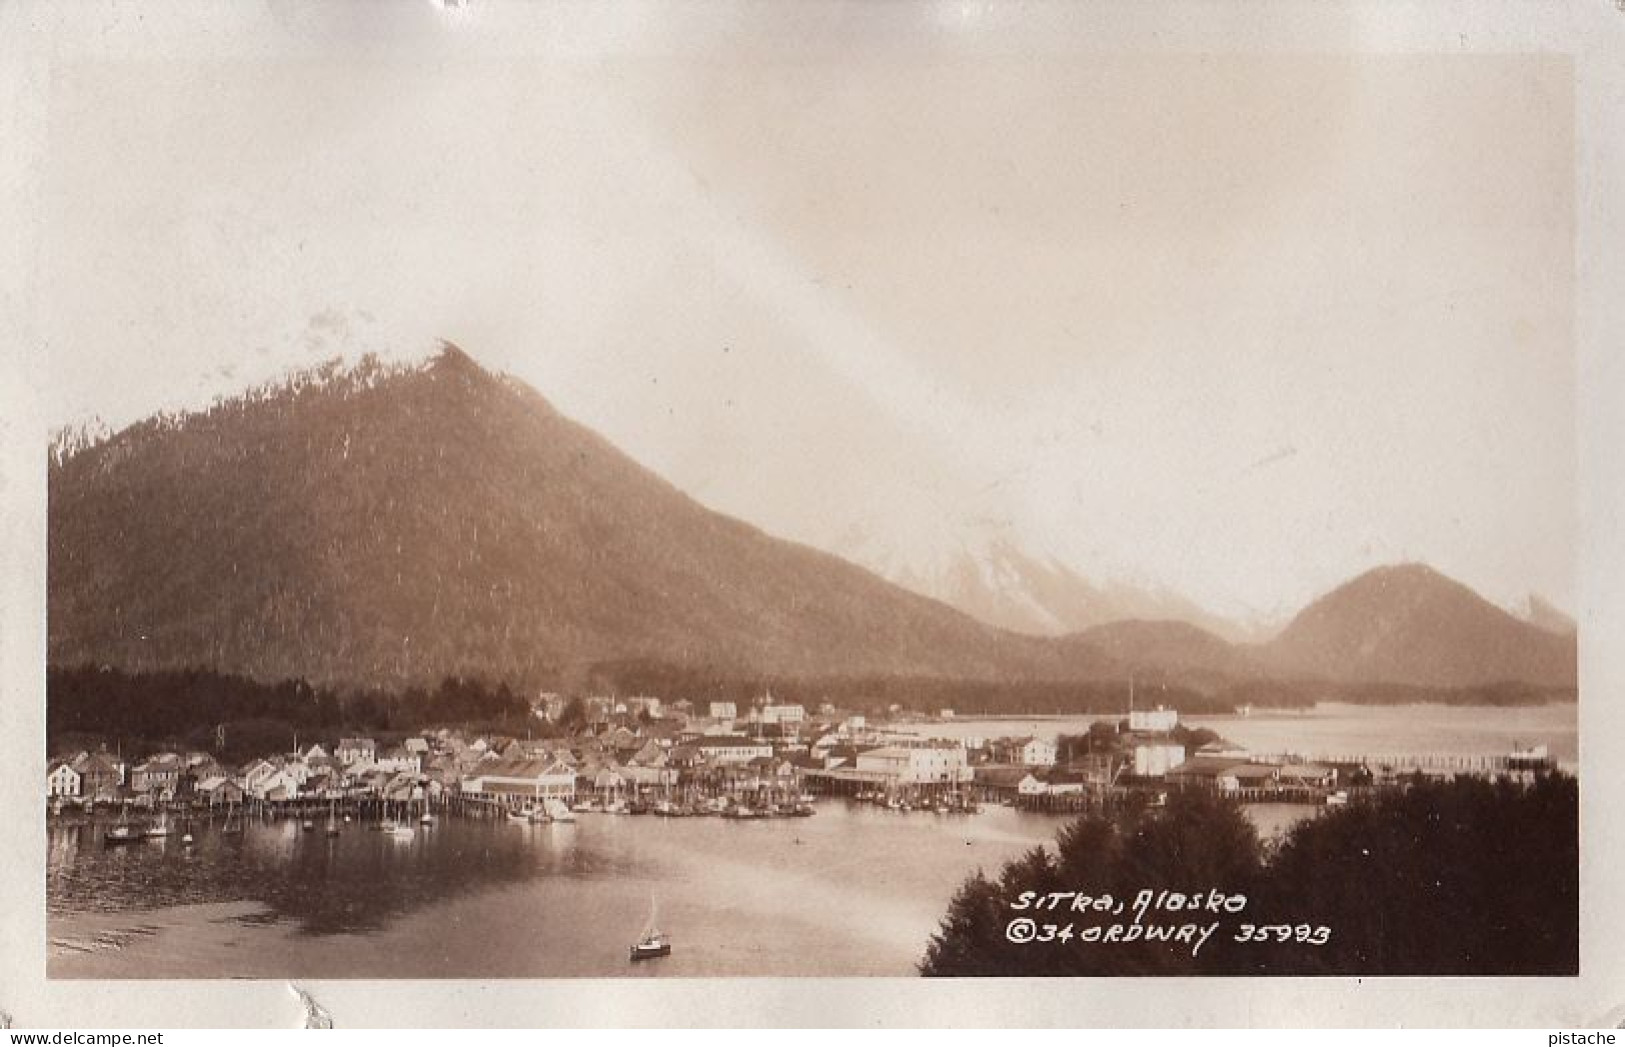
column 159, row 829
column 122, row 831
column 234, row 825
column 654, row 941
column 332, row 822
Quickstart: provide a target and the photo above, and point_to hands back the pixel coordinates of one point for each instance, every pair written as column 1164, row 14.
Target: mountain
column 397, row 524
column 1543, row 615
column 981, row 568
column 1408, row 624
column 1174, row 647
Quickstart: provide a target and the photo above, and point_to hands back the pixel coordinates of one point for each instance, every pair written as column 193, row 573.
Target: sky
column 1240, row 324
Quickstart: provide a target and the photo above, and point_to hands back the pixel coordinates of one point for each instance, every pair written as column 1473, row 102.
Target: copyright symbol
column 1021, row 929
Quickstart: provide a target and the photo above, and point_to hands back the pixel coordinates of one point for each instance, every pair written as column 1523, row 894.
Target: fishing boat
column 557, row 810
column 159, row 829
column 654, row 942
column 122, row 831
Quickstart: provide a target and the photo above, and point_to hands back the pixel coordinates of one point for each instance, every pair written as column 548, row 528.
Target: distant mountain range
column 981, row 569
column 389, row 525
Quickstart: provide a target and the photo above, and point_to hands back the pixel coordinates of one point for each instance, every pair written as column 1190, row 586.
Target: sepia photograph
column 805, row 491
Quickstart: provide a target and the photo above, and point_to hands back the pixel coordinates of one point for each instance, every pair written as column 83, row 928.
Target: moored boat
column 121, row 831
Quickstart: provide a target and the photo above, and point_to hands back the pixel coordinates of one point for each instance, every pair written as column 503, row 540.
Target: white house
column 1035, row 752
column 724, row 711
column 62, row 779
column 1153, row 721
column 397, row 760
column 356, row 750
column 1155, row 759
column 782, row 714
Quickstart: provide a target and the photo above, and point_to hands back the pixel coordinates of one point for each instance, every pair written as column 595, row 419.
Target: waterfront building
column 1154, row 759
column 156, row 776
column 916, row 764
column 514, row 781
column 62, row 780
column 100, row 776
column 732, row 748
column 1027, row 752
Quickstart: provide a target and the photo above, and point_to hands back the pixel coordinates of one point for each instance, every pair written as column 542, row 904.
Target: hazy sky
column 1244, row 325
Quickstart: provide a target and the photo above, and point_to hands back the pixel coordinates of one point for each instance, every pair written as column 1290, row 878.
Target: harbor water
column 854, row 890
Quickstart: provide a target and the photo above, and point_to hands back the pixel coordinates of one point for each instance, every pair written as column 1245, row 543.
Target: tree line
column 197, row 708
column 1470, row 877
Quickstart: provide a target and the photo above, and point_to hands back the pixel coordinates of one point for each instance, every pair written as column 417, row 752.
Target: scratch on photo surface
column 316, row 1016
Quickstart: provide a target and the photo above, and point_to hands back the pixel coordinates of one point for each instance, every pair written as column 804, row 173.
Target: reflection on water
column 356, row 881
column 851, row 891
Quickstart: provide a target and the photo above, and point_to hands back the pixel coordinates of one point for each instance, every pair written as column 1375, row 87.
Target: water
column 1337, row 729
column 854, row 890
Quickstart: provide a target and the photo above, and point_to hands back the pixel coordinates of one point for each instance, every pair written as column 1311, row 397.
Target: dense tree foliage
column 1463, row 878
column 197, row 708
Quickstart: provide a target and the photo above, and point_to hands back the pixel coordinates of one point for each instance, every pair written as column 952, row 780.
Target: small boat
column 524, row 814
column 557, row 810
column 398, row 830
column 332, row 828
column 121, row 832
column 307, row 826
column 234, row 824
column 159, row 829
column 1337, row 799
column 653, row 942
column 652, row 945
column 427, row 819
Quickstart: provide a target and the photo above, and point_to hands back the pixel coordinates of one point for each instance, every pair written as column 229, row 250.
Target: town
column 642, row 755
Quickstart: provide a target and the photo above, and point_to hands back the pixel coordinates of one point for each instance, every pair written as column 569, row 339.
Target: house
column 1308, row 775
column 278, row 784
column 315, row 752
column 416, row 746
column 1027, row 752
column 732, row 748
column 1031, row 785
column 157, row 775
column 100, row 776
column 512, row 781
column 218, row 791
column 724, row 711
column 1154, row 759
column 1153, row 721
column 397, row 760
column 780, row 715
column 62, row 780
column 356, row 750
column 1224, row 775
column 644, row 706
